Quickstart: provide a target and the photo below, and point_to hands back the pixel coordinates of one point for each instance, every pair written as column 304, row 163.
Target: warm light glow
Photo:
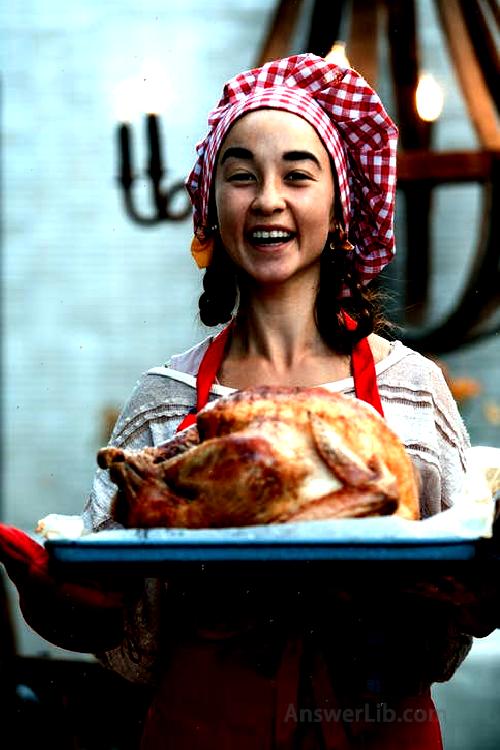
column 154, row 87
column 429, row 98
column 338, row 56
column 143, row 93
column 126, row 100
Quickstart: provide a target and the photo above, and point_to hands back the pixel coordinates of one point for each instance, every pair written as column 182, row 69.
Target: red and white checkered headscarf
column 352, row 124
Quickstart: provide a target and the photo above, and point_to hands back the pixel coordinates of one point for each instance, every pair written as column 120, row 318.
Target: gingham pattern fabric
column 354, row 127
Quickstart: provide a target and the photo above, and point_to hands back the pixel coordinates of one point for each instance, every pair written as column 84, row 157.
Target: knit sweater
column 417, row 406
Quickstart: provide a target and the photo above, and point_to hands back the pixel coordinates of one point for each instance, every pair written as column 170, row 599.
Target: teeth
column 273, row 234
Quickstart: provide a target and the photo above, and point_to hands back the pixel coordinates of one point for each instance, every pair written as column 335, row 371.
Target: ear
column 212, row 219
column 334, row 222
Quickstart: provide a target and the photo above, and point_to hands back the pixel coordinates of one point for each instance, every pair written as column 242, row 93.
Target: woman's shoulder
column 161, row 394
column 413, row 384
column 173, row 380
column 380, row 347
column 398, row 363
column 188, row 362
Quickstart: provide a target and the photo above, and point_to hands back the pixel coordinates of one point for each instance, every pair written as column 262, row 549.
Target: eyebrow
column 301, row 156
column 237, row 152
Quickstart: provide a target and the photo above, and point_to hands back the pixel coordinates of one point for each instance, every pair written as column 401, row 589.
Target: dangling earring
column 339, row 240
column 202, row 246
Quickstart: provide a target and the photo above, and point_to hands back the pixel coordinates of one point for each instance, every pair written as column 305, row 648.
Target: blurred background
column 98, row 284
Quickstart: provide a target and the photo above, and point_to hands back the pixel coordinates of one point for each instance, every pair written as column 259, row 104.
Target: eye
column 241, row 177
column 296, row 176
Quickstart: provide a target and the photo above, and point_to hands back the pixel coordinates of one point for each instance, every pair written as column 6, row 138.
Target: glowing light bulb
column 154, row 85
column 429, row 98
column 145, row 92
column 126, row 100
column 338, row 56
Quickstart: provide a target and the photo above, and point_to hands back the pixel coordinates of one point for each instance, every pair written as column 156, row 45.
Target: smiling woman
column 274, row 196
column 293, row 194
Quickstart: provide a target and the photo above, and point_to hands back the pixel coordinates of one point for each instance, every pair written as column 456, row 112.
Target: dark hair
column 220, row 288
column 337, row 272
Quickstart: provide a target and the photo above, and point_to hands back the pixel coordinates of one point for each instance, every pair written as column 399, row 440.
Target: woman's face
column 274, row 194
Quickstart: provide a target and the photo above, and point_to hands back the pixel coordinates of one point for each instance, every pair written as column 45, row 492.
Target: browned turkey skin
column 267, row 455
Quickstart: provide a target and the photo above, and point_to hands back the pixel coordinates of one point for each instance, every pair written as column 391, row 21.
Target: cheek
column 319, row 216
column 230, row 211
column 227, row 225
column 326, row 214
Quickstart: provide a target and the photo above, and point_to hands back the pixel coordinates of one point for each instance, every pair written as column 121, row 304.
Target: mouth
column 270, row 236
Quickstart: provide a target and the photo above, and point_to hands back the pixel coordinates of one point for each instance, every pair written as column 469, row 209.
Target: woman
column 293, row 194
column 299, row 156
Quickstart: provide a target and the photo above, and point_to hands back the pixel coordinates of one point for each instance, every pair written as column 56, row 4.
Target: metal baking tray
column 384, row 539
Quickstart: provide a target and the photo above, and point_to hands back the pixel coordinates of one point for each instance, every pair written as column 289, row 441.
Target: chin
column 284, row 274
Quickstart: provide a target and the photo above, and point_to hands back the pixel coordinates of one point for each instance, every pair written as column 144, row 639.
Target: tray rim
column 129, row 552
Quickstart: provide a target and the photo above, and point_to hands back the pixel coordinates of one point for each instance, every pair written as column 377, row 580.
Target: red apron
column 210, row 701
column 363, row 369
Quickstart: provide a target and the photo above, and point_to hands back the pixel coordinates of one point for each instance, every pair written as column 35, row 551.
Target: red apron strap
column 363, row 369
column 207, row 374
column 209, row 367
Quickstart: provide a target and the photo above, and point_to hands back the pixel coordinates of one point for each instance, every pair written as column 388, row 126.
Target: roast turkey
column 267, row 455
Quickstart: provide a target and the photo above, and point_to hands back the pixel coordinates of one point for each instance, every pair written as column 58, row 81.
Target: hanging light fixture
column 144, row 95
column 429, row 98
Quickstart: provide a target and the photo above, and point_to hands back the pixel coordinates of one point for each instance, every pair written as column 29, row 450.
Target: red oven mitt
column 79, row 616
column 471, row 597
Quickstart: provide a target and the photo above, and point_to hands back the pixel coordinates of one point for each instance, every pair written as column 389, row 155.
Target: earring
column 340, row 241
column 202, row 246
column 202, row 251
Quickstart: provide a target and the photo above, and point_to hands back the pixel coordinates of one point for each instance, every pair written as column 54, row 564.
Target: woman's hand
column 472, row 598
column 84, row 615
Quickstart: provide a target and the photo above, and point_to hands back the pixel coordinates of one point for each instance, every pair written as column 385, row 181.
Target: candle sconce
column 170, row 204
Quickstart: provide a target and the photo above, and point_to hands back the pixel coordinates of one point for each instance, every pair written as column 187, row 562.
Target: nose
column 269, row 197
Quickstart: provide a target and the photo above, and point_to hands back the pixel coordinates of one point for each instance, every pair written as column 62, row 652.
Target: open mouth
column 270, row 237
